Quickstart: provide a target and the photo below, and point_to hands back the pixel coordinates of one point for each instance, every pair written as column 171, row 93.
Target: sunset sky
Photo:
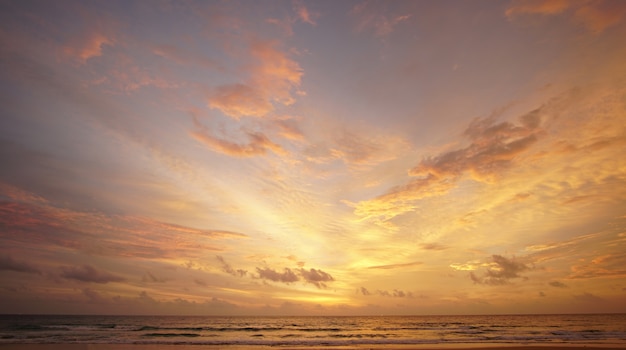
column 312, row 157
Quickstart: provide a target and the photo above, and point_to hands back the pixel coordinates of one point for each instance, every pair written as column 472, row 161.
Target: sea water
column 601, row 329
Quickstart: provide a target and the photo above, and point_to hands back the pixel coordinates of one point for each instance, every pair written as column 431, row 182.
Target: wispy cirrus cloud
column 595, row 15
column 543, row 7
column 28, row 220
column 304, row 13
column 609, row 265
column 301, row 13
column 258, row 143
column 375, row 17
column 395, row 266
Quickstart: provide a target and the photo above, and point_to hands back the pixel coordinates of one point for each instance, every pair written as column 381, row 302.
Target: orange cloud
column 372, row 16
column 605, row 266
column 288, row 128
column 240, row 100
column 258, row 144
column 41, row 224
column 492, row 150
column 543, row 7
column 273, row 76
column 595, row 15
column 357, row 149
column 87, row 47
column 304, row 14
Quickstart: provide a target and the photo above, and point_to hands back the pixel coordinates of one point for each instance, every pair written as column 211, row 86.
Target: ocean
column 317, row 331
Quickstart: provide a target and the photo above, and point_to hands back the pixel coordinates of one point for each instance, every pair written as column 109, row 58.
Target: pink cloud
column 89, row 46
column 240, row 100
column 304, row 14
column 492, row 150
column 275, row 73
column 258, row 144
column 41, row 224
column 288, row 128
column 273, row 76
column 595, row 15
column 542, row 7
column 375, row 17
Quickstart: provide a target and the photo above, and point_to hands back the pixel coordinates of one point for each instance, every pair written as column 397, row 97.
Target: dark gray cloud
column 316, row 277
column 588, row 297
column 557, row 284
column 229, row 269
column 200, row 282
column 433, row 246
column 88, row 273
column 501, row 272
column 9, row 264
column 148, row 277
column 287, row 276
column 395, row 293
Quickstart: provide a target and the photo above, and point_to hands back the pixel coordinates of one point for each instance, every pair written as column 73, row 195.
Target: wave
column 170, row 335
column 315, row 331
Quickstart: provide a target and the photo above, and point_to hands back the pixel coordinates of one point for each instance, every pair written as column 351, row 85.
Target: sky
column 312, row 157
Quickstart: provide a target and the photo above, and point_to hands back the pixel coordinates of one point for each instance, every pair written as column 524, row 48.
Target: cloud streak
column 596, row 15
column 258, row 144
column 372, row 16
column 87, row 273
